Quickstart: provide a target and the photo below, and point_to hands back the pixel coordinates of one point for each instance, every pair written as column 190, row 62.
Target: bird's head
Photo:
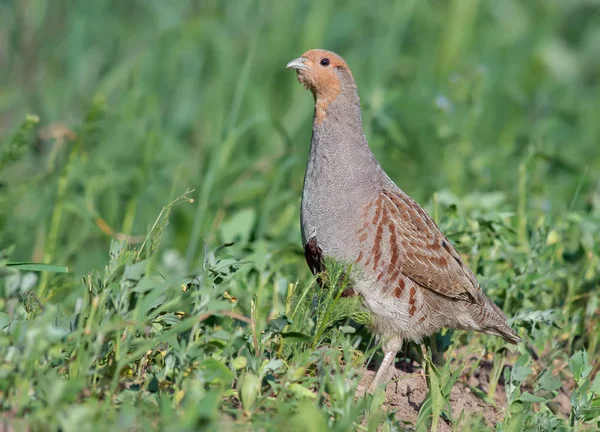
column 325, row 74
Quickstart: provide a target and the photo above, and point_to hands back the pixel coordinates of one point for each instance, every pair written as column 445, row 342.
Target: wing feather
column 423, row 253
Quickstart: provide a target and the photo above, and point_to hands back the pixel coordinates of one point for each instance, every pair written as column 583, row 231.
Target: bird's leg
column 390, row 349
column 407, row 361
column 388, row 359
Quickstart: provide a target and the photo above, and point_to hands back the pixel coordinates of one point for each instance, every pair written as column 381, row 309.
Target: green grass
column 484, row 111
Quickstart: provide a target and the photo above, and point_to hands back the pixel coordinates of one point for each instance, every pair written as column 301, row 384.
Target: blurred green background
column 194, row 94
column 485, row 111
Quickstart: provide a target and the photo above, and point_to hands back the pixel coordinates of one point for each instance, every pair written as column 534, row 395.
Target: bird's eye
column 324, row 62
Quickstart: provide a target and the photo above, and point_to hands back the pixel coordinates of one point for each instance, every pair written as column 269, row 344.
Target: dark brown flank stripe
column 359, row 258
column 365, row 215
column 421, row 320
column 376, row 251
column 399, row 288
column 363, row 235
column 394, row 267
column 411, row 301
column 365, row 209
column 374, row 222
column 377, row 212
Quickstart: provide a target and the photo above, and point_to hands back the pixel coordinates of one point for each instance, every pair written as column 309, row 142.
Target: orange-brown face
column 319, row 71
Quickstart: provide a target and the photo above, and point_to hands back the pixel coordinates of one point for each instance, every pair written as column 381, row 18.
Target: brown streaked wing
column 424, row 254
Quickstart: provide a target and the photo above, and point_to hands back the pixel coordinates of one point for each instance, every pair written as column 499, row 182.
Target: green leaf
column 301, row 392
column 40, row 267
column 207, row 408
column 347, row 329
column 213, row 371
column 272, row 365
column 239, row 226
column 295, row 372
column 278, row 324
column 308, row 418
column 528, row 397
column 135, row 271
column 547, row 382
column 378, row 399
column 4, row 320
column 20, row 142
column 424, row 416
column 595, row 388
column 248, row 387
column 580, row 366
column 481, row 395
column 437, row 399
column 295, row 337
column 521, row 369
column 167, row 319
column 514, row 423
column 434, row 403
column 592, row 413
column 239, row 362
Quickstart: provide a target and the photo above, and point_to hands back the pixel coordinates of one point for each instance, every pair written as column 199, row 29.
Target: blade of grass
column 38, row 267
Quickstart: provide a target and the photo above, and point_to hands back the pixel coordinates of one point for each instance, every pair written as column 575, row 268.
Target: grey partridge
column 409, row 275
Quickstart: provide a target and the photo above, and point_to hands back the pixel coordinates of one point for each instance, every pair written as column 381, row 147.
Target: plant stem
column 522, row 209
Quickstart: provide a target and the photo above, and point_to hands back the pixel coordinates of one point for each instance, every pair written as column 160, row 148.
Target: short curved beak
column 297, row 64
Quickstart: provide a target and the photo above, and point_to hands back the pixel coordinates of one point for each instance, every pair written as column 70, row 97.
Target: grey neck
column 339, row 148
column 344, row 109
